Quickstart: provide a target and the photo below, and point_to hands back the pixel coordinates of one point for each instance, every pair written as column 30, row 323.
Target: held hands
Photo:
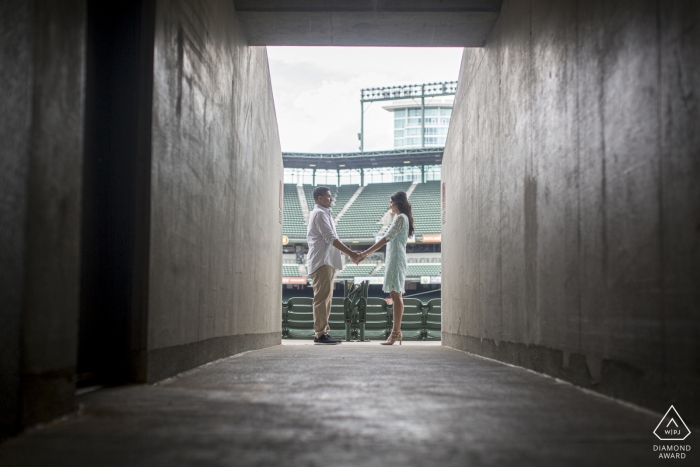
column 361, row 257
column 357, row 258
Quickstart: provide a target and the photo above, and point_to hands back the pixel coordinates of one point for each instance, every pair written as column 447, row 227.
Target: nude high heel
column 392, row 338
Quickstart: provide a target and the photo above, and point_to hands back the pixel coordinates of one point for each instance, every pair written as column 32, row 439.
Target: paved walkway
column 346, row 405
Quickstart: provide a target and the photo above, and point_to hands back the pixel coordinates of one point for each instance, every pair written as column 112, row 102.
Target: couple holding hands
column 323, row 259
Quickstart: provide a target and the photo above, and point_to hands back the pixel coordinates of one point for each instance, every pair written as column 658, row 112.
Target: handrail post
column 422, row 116
column 347, row 309
column 362, row 309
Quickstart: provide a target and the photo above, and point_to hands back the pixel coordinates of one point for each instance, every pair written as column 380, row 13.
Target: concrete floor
column 360, row 405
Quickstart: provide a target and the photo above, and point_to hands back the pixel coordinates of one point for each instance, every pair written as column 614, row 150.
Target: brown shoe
column 392, row 338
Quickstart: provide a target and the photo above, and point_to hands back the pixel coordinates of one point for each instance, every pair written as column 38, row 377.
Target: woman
column 395, row 267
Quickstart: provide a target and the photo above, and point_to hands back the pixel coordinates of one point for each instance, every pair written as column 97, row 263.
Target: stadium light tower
column 409, row 91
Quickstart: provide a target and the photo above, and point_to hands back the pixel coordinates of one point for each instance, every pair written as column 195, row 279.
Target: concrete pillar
column 42, row 71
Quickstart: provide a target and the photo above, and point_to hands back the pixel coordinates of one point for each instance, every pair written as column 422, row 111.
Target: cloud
column 317, row 91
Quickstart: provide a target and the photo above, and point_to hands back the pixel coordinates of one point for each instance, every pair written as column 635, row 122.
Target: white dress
column 395, row 266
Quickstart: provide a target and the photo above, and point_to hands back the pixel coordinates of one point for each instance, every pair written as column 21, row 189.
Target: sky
column 317, row 91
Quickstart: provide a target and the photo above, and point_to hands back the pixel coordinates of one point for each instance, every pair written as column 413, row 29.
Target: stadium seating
column 377, row 320
column 414, row 270
column 420, row 321
column 433, row 320
column 290, row 270
column 362, row 221
column 352, row 270
column 412, row 321
column 309, row 195
column 300, row 318
column 293, row 219
column 426, row 208
column 341, row 196
column 418, row 269
column 298, row 321
column 336, row 321
column 362, row 218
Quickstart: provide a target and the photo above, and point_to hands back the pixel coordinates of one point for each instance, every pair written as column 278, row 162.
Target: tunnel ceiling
column 394, row 23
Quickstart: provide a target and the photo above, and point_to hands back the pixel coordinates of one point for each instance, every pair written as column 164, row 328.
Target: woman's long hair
column 401, row 201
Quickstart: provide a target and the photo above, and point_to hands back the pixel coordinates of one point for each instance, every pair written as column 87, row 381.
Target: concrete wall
column 573, row 203
column 203, row 278
column 15, row 50
column 369, row 23
column 215, row 249
column 42, row 56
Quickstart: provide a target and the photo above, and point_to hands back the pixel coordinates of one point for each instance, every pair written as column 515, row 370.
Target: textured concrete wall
column 15, row 73
column 215, row 251
column 573, row 207
column 42, row 56
column 370, row 23
column 213, row 231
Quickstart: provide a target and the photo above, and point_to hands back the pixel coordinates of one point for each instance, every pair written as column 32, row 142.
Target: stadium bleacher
column 416, row 270
column 421, row 320
column 309, row 194
column 341, row 196
column 362, row 218
column 353, row 270
column 359, row 225
column 425, row 201
column 292, row 217
column 290, row 270
column 361, row 221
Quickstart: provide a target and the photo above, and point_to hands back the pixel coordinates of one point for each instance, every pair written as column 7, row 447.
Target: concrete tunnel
column 141, row 167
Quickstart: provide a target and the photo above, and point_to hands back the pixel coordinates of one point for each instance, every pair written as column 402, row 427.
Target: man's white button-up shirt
column 320, row 234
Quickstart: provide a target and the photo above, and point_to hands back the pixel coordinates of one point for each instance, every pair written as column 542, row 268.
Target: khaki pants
column 323, row 297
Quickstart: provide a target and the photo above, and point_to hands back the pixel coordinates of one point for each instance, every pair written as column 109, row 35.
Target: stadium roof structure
column 363, row 160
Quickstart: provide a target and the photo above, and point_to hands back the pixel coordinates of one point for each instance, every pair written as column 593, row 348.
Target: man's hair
column 320, row 191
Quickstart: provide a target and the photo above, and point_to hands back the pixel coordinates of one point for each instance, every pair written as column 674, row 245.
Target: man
column 323, row 260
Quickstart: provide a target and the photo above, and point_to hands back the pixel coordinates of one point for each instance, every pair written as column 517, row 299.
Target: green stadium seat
column 412, row 321
column 337, row 318
column 299, row 321
column 433, row 320
column 300, row 318
column 377, row 320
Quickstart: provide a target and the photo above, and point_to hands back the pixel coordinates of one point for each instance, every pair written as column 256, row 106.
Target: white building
column 408, row 124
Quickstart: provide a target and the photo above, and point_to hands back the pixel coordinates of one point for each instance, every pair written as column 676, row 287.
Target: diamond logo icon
column 672, row 427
